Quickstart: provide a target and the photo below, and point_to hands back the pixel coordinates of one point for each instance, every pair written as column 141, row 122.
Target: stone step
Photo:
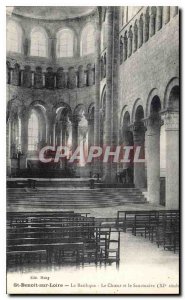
column 71, row 206
column 79, row 200
column 89, row 194
column 76, row 200
column 69, row 198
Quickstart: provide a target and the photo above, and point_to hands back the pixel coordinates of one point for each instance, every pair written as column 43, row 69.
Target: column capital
column 171, row 120
column 64, row 124
column 153, row 124
column 137, row 126
column 23, row 113
column 75, row 120
column 51, row 118
column 90, row 121
column 138, row 130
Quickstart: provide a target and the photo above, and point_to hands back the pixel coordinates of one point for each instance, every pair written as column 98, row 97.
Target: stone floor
column 112, row 211
column 144, row 268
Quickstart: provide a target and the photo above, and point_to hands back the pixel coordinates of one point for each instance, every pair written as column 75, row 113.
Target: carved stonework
column 71, row 78
column 81, row 77
column 171, row 120
column 153, row 124
column 38, row 81
column 49, row 78
column 138, row 130
column 60, row 79
column 90, row 75
column 27, row 77
column 16, row 75
column 23, row 112
column 13, row 107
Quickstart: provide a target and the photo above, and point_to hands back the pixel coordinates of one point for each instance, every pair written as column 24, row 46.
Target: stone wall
column 50, row 98
column 151, row 67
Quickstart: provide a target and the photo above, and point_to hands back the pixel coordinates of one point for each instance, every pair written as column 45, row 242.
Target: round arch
column 61, row 104
column 91, row 110
column 153, row 93
column 137, row 103
column 171, row 84
column 38, row 105
column 122, row 115
column 103, row 98
column 41, row 34
column 87, row 45
column 139, row 115
column 79, row 109
column 65, row 36
column 14, row 28
column 62, row 108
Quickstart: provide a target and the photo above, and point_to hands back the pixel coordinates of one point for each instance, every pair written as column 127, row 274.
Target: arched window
column 88, row 40
column 39, row 43
column 33, row 132
column 65, row 43
column 14, row 37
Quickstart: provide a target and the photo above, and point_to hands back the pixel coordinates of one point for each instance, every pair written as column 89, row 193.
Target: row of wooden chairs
column 161, row 226
column 61, row 237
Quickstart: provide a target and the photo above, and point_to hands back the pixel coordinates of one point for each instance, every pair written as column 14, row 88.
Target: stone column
column 8, row 147
column 101, row 68
column 24, row 138
column 90, row 140
column 153, row 159
column 146, row 26
column 81, row 76
column 90, row 133
column 32, row 78
column 121, row 50
column 116, row 59
column 126, row 139
column 58, row 129
column 90, row 75
column 159, row 18
column 44, row 79
column 152, row 23
column 139, row 167
column 11, row 74
column 125, row 47
column 171, row 123
column 52, row 48
column 174, row 11
column 140, row 32
column 64, row 129
column 60, row 79
column 111, row 111
column 109, row 91
column 24, row 133
column 135, row 38
column 97, row 85
column 75, row 122
column 72, row 78
column 130, row 38
column 21, row 77
column 166, row 14
column 50, row 129
column 97, row 88
column 29, row 47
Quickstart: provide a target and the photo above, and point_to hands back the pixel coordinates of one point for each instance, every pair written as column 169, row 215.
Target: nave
column 141, row 262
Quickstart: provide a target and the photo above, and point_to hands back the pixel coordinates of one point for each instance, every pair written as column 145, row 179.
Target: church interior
column 83, row 77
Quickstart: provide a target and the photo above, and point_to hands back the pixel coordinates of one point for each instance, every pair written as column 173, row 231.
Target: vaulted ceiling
column 53, row 12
